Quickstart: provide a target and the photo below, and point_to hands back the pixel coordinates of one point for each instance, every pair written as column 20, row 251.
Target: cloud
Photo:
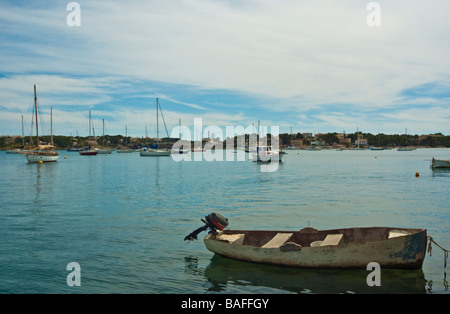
column 268, row 60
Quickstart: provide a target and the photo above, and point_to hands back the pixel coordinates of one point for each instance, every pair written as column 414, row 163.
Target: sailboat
column 19, row 150
column 406, row 148
column 266, row 153
column 88, row 151
column 42, row 153
column 156, row 151
column 125, row 150
column 104, row 150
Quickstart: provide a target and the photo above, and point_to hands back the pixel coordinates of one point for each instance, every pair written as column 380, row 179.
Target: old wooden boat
column 311, row 248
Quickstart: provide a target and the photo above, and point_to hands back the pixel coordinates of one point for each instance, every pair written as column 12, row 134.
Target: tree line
column 382, row 140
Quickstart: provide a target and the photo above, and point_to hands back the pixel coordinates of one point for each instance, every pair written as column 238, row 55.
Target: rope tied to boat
column 443, row 249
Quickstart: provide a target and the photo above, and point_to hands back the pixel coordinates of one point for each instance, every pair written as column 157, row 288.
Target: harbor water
column 123, row 218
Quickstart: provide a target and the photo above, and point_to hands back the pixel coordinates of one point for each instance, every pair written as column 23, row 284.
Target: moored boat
column 267, row 154
column 74, row 149
column 156, row 150
column 42, row 153
column 311, row 248
column 440, row 163
column 105, row 151
column 88, row 151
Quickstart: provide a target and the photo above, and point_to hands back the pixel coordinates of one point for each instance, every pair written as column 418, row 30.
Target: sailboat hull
column 37, row 157
column 155, row 152
column 88, row 153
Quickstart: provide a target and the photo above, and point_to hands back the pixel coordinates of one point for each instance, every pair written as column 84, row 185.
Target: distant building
column 297, row 143
column 318, row 142
column 343, row 140
column 361, row 142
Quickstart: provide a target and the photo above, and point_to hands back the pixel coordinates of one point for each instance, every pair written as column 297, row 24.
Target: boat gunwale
column 321, row 234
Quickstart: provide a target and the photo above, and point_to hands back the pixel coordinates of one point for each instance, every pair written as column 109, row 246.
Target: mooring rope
column 445, row 250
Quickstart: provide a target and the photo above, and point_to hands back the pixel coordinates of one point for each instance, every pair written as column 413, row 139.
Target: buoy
column 40, row 162
column 417, row 174
column 65, row 157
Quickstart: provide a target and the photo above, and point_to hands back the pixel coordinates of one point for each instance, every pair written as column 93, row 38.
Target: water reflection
column 269, row 166
column 444, row 284
column 440, row 172
column 43, row 186
column 37, row 186
column 223, row 272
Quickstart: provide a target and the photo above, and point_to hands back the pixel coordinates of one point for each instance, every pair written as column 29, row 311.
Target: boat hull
column 105, row 151
column 440, row 163
column 155, row 153
column 359, row 247
column 88, row 153
column 34, row 158
column 269, row 158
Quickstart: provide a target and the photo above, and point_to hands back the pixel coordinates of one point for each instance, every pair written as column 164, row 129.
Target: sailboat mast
column 157, row 123
column 51, row 125
column 23, row 135
column 36, row 115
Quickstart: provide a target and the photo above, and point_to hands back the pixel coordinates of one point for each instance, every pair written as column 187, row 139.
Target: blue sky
column 313, row 66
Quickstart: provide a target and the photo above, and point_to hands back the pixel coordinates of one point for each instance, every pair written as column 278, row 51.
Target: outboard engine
column 213, row 221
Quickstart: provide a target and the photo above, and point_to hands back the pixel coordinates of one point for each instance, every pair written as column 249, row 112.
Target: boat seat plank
column 397, row 233
column 332, row 239
column 233, row 238
column 277, row 240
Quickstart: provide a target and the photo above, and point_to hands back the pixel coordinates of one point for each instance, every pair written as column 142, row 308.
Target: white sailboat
column 156, row 151
column 42, row 153
column 267, row 154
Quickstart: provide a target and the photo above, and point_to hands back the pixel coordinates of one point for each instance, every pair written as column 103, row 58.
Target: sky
column 307, row 66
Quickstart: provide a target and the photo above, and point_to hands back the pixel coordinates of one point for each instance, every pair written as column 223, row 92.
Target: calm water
column 123, row 218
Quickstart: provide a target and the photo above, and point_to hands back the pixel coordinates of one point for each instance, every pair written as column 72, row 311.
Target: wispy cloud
column 312, row 65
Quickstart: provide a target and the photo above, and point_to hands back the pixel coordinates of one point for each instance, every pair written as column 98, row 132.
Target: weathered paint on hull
column 400, row 252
